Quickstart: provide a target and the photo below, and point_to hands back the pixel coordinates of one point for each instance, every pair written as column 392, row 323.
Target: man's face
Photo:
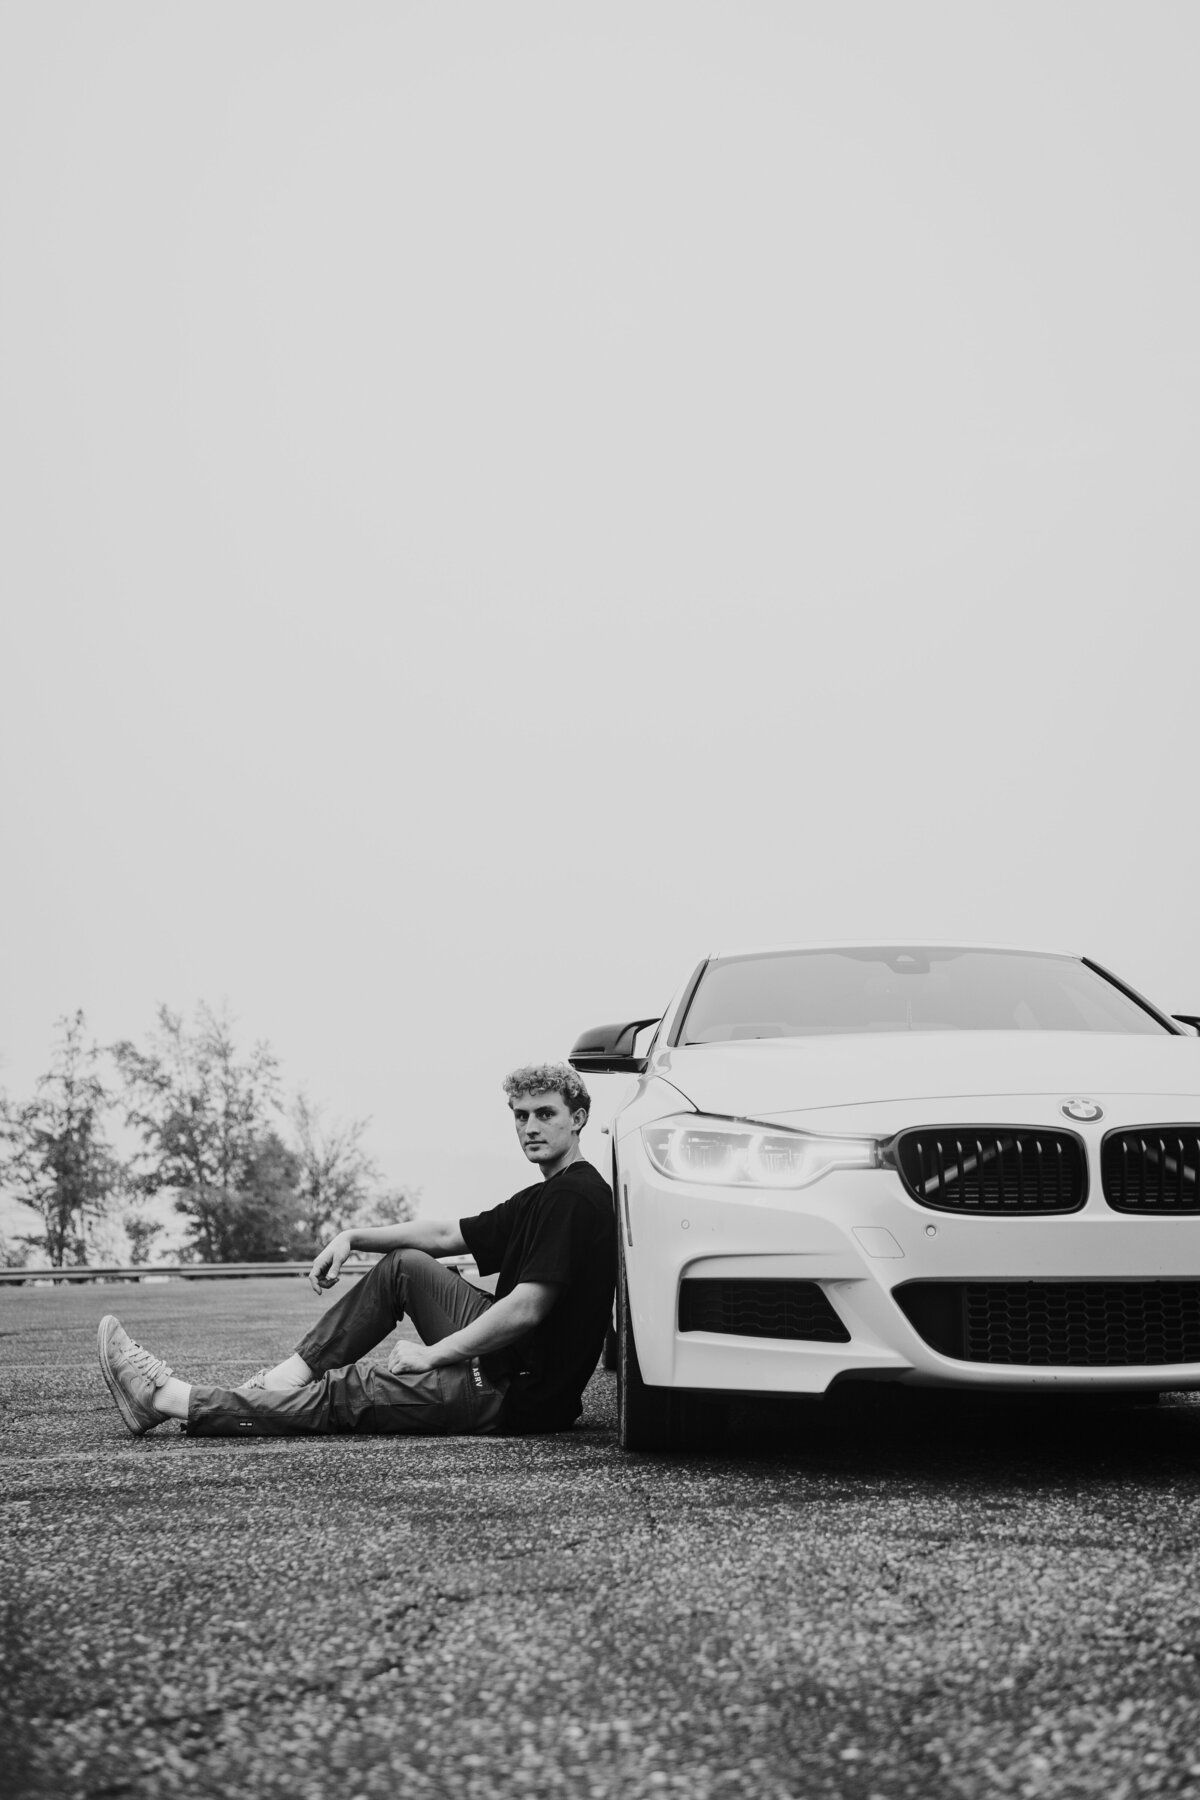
column 545, row 1125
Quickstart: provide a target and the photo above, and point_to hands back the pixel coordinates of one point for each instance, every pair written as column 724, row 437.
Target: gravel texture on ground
column 884, row 1595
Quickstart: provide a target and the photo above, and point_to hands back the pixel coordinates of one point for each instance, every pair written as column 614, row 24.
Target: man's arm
column 438, row 1237
column 501, row 1325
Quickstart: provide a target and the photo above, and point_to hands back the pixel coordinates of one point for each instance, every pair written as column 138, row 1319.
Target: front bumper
column 859, row 1236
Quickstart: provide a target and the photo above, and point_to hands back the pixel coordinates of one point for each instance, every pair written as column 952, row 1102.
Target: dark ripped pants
column 353, row 1396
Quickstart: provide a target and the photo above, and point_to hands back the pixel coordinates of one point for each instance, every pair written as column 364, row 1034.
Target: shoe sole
column 137, row 1426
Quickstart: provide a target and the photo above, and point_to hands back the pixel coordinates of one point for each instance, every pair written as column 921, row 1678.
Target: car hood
column 770, row 1076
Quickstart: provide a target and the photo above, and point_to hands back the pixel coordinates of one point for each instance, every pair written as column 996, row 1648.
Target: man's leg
column 436, row 1298
column 455, row 1400
column 404, row 1283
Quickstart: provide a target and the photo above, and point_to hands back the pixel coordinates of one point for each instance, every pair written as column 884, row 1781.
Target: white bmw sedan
column 938, row 1164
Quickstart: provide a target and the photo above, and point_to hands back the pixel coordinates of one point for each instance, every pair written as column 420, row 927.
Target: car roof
column 889, row 943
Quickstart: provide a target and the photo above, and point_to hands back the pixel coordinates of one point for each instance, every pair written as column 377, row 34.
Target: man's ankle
column 172, row 1398
column 292, row 1373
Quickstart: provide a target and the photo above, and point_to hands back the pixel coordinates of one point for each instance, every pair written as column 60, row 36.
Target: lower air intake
column 760, row 1309
column 1057, row 1324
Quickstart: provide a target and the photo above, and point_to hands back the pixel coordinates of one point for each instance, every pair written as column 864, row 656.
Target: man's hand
column 408, row 1358
column 328, row 1266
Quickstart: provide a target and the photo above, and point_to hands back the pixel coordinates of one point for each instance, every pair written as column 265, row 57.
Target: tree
column 390, row 1206
column 204, row 1115
column 54, row 1154
column 387, row 1206
column 12, row 1256
column 336, row 1176
column 141, row 1230
column 261, row 1221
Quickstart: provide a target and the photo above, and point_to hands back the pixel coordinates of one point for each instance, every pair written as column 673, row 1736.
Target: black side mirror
column 608, row 1049
column 1192, row 1019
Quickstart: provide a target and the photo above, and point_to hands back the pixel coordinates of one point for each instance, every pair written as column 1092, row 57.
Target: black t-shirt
column 561, row 1231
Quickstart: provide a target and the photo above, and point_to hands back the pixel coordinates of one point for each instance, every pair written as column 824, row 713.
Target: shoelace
column 257, row 1380
column 152, row 1367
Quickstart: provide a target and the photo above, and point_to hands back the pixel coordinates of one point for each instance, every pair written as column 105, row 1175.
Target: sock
column 292, row 1373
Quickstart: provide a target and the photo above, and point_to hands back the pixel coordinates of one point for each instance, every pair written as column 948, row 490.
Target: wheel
column 611, row 1353
column 656, row 1418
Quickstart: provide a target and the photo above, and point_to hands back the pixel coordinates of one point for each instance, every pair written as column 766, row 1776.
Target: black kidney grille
column 1061, row 1324
column 762, row 1309
column 1152, row 1169
column 992, row 1169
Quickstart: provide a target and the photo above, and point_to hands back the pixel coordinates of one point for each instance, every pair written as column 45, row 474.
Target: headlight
column 721, row 1153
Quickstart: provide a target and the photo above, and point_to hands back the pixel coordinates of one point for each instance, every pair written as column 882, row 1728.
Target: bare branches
column 337, row 1176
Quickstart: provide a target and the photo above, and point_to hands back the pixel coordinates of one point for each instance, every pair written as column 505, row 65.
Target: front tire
column 656, row 1418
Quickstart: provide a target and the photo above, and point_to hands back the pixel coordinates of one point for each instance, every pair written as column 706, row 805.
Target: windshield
column 801, row 993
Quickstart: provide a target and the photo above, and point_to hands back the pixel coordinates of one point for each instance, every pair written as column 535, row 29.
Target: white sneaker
column 133, row 1375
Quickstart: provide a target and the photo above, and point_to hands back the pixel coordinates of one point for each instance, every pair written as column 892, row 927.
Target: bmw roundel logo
column 1084, row 1110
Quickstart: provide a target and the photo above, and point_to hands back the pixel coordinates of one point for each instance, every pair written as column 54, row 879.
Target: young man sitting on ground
column 514, row 1364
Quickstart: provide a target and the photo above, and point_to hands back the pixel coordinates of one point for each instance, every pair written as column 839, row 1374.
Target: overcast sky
column 498, row 500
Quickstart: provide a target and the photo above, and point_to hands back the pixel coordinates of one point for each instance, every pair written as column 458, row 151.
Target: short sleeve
column 486, row 1236
column 561, row 1242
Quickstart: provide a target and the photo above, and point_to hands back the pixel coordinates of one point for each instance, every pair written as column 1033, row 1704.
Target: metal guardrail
column 195, row 1271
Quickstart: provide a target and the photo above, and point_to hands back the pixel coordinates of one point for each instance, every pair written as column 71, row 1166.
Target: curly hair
column 550, row 1078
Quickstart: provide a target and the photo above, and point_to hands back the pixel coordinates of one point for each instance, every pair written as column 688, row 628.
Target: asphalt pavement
column 886, row 1595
